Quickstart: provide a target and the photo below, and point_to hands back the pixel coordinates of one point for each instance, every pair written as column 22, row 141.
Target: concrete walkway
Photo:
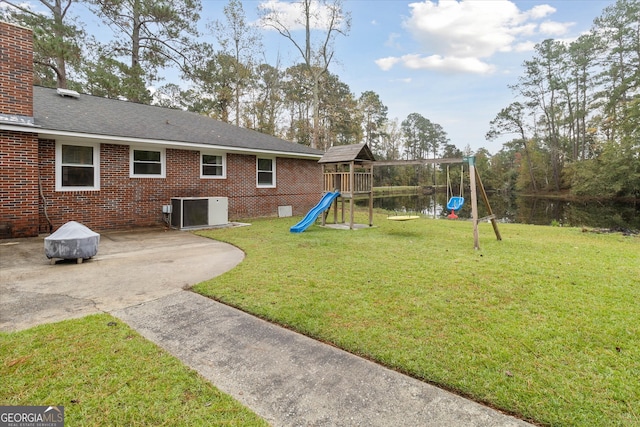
column 287, row 378
column 291, row 380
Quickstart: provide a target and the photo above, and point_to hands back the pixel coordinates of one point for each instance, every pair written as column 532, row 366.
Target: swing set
column 455, row 203
column 348, row 171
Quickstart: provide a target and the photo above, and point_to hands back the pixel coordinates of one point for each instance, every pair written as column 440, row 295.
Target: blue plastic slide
column 323, row 205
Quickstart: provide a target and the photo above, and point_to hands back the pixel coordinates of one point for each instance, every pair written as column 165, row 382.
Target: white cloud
column 553, row 28
column 461, row 35
column 524, row 30
column 524, row 47
column 291, row 14
column 387, row 63
column 463, row 29
column 540, row 11
column 406, row 80
column 447, row 64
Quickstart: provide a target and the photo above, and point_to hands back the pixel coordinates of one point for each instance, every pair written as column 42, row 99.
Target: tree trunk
column 135, row 37
column 61, row 66
column 316, row 112
column 530, row 164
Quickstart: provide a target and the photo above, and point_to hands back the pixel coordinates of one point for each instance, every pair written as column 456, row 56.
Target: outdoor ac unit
column 189, row 212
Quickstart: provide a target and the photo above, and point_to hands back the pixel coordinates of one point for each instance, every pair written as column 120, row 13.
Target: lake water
column 524, row 210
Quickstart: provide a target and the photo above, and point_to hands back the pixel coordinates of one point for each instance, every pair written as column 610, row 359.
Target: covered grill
column 72, row 241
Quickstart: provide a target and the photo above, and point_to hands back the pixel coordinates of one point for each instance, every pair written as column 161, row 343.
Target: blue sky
column 450, row 61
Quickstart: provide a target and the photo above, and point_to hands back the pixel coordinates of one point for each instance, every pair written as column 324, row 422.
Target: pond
column 523, row 210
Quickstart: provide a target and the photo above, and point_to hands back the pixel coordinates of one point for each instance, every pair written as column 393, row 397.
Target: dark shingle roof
column 114, row 118
column 347, row 153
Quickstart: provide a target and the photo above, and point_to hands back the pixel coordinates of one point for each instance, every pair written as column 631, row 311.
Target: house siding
column 123, row 202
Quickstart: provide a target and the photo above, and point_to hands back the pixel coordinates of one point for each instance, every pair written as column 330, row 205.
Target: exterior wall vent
column 199, row 212
column 68, row 93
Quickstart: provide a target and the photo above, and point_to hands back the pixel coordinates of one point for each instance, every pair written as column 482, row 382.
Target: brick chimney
column 16, row 70
column 19, row 210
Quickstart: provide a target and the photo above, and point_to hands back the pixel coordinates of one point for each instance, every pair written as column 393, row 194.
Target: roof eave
column 110, row 139
column 19, row 128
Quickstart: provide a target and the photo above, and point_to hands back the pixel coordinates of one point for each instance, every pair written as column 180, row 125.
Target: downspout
column 44, row 202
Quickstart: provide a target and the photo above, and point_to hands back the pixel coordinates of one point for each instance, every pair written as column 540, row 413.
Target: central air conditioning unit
column 199, row 212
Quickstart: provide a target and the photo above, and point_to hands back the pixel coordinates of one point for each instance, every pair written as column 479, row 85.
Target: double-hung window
column 77, row 166
column 212, row 165
column 266, row 172
column 147, row 163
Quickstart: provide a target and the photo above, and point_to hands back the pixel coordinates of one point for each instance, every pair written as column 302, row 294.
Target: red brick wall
column 123, row 202
column 18, row 151
column 18, row 184
column 16, row 70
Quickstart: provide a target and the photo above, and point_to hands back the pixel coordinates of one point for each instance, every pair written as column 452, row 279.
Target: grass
column 544, row 324
column 105, row 374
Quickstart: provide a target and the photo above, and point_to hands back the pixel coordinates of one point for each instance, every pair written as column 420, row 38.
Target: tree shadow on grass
column 404, row 233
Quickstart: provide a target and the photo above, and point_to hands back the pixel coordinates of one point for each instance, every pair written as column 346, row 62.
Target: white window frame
column 95, row 166
column 224, row 165
column 163, row 162
column 273, row 172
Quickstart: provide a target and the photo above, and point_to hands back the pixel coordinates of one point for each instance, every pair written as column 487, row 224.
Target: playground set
column 348, row 175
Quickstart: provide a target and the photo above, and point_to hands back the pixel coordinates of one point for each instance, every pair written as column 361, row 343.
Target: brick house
column 112, row 164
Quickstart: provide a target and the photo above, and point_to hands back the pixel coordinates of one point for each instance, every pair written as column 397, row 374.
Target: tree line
column 574, row 122
column 576, row 118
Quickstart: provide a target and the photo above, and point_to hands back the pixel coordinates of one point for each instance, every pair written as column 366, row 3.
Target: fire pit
column 71, row 241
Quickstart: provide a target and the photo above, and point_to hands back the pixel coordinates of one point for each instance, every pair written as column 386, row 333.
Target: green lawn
column 105, row 374
column 544, row 324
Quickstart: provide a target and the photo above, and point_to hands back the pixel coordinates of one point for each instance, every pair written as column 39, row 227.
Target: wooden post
column 371, row 196
column 352, row 182
column 492, row 217
column 435, row 191
column 474, row 200
column 325, row 185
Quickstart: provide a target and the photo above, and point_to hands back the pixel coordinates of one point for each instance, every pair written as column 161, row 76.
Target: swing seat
column 455, row 203
column 402, row 217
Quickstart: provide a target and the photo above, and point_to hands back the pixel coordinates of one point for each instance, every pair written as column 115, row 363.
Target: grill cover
column 71, row 241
